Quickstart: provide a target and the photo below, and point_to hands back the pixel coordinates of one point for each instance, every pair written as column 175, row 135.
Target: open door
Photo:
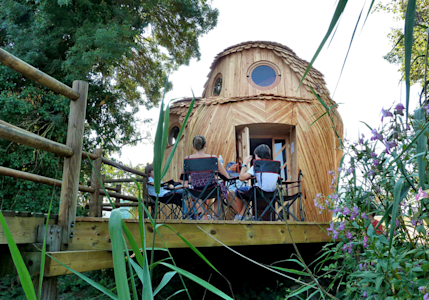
column 243, row 143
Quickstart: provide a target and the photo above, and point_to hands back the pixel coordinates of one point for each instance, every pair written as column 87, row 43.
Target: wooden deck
column 90, row 247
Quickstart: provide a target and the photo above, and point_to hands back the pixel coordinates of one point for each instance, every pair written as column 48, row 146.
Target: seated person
column 268, row 183
column 163, row 192
column 200, row 180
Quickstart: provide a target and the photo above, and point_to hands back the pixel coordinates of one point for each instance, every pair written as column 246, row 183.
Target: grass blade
column 408, row 33
column 86, row 279
column 398, row 197
column 178, row 292
column 116, row 236
column 24, row 275
column 303, row 289
column 199, row 281
column 338, row 12
column 165, row 279
column 291, row 271
column 421, row 147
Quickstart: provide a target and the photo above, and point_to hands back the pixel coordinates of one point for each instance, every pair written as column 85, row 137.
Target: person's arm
column 244, row 168
column 222, row 170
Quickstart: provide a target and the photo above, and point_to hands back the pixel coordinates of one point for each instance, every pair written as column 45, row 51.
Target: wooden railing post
column 95, row 183
column 71, row 170
column 118, row 190
column 100, row 198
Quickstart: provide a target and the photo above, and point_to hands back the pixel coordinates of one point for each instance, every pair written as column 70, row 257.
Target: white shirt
column 269, row 180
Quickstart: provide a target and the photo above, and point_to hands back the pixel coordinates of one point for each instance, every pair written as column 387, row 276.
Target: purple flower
column 373, row 154
column 414, row 222
column 336, row 210
column 399, row 109
column 421, row 194
column 364, row 295
column 390, row 145
column 349, row 235
column 376, row 162
column 339, row 169
column 360, row 267
column 331, row 227
column 397, row 223
column 422, row 289
column 365, row 241
column 346, row 211
column 386, row 114
column 345, row 247
column 331, row 173
column 427, row 108
column 342, row 226
column 350, row 170
column 363, row 216
column 426, row 296
column 376, row 135
column 371, row 173
column 335, row 234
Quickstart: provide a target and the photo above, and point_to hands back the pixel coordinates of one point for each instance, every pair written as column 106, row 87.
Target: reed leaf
column 337, row 14
column 421, row 147
column 198, row 280
column 165, row 280
column 116, row 236
column 24, row 275
column 398, row 196
column 408, row 47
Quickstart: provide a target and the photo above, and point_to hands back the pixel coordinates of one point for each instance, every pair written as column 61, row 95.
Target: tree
column 123, row 49
column 396, row 37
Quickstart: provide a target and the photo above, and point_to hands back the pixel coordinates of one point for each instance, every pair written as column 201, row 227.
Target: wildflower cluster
column 383, row 177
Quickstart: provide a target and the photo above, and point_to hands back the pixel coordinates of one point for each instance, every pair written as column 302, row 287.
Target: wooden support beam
column 31, row 72
column 86, row 155
column 71, row 170
column 23, row 229
column 33, row 140
column 93, row 233
column 94, row 210
column 39, row 179
column 53, row 239
column 122, row 167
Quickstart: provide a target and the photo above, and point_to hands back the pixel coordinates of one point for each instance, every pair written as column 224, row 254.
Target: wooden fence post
column 100, row 199
column 95, row 183
column 118, row 190
column 71, row 170
column 53, row 243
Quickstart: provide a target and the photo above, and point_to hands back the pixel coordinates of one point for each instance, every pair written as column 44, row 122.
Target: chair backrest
column 269, row 167
column 203, row 164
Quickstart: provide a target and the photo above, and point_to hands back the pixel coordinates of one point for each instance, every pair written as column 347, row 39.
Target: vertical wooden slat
column 94, row 209
column 71, row 170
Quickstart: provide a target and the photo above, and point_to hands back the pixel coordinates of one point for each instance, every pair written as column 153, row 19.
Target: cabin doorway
column 281, row 139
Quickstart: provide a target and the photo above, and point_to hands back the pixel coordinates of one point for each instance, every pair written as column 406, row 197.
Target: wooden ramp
column 90, row 247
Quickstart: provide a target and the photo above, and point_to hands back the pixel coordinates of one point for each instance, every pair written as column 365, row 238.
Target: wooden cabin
column 251, row 97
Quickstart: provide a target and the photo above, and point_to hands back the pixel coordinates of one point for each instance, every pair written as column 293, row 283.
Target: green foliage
column 396, row 37
column 124, row 50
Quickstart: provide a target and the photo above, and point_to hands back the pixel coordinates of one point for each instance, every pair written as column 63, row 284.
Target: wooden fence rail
column 31, row 72
column 35, row 141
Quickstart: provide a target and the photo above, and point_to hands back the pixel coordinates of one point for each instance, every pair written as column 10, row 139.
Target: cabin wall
column 315, row 146
column 234, row 68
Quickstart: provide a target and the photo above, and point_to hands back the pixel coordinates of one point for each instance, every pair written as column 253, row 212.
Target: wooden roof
column 314, row 78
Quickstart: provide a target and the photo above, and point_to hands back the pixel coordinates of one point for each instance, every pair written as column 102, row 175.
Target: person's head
column 199, row 142
column 149, row 170
column 262, row 152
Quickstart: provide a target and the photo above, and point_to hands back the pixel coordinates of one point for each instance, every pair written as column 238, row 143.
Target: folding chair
column 261, row 204
column 202, row 175
column 289, row 200
column 169, row 205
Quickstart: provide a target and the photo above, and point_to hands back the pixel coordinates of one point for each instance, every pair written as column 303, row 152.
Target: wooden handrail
column 116, row 195
column 31, row 72
column 123, row 180
column 39, row 179
column 122, row 167
column 26, row 138
column 85, row 155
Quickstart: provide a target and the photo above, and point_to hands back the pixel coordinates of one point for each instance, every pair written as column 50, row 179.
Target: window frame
column 268, row 64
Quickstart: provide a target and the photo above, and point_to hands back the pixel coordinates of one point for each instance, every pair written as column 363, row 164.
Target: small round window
column 264, row 76
column 217, row 86
column 172, row 135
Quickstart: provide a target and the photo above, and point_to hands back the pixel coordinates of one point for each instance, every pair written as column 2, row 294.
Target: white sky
column 368, row 82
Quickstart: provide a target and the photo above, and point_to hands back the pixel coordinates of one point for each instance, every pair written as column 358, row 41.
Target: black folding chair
column 197, row 197
column 289, row 200
column 170, row 205
column 261, row 202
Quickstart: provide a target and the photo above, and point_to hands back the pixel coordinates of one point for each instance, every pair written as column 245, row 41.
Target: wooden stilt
column 94, row 210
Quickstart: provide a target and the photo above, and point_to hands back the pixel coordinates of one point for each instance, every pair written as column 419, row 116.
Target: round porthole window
column 172, row 135
column 263, row 75
column 217, row 87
